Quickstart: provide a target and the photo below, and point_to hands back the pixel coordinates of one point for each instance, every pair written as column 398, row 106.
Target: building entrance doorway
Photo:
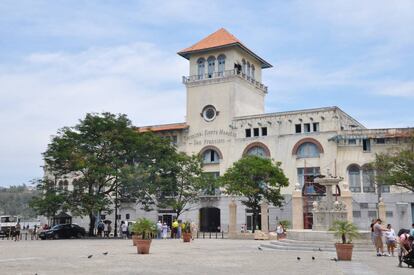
column 210, row 219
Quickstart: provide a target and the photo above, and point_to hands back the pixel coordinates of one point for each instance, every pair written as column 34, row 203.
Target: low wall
column 311, row 235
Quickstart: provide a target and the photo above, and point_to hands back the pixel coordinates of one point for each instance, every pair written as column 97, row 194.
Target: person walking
column 193, row 228
column 101, row 227
column 164, row 231
column 390, row 240
column 174, row 229
column 179, row 230
column 159, row 229
column 106, row 230
column 17, row 232
column 124, row 230
column 379, row 245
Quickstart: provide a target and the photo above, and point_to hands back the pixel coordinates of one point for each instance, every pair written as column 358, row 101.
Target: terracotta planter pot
column 143, row 246
column 134, row 239
column 186, row 237
column 344, row 251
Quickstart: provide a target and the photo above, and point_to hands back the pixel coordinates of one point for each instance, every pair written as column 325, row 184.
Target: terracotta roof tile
column 164, row 127
column 219, row 38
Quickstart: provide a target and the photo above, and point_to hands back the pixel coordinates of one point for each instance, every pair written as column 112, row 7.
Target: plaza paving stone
column 175, row 257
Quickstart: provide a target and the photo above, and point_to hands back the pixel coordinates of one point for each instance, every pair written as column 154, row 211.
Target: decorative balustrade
column 194, row 79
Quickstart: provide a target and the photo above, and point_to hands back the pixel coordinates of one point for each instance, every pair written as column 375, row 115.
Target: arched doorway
column 210, row 219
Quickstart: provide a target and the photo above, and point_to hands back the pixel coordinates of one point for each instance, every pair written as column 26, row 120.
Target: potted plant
column 346, row 231
column 186, row 232
column 143, row 229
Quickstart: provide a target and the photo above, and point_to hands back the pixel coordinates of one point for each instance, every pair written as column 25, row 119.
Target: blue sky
column 62, row 59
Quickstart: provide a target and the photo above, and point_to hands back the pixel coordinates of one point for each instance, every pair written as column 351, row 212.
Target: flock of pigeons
column 299, row 258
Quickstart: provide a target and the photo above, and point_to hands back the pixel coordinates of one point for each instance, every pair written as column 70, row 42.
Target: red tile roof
column 219, row 39
column 164, row 127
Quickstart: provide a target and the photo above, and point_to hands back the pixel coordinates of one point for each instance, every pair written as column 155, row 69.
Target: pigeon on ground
column 259, row 248
column 319, row 249
column 334, row 259
column 313, row 258
column 298, row 258
column 105, row 253
column 90, row 256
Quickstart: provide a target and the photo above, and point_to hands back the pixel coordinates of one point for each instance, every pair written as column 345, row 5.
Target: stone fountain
column 328, row 210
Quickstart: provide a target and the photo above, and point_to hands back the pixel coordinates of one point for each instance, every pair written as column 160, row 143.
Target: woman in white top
column 390, row 240
column 280, row 231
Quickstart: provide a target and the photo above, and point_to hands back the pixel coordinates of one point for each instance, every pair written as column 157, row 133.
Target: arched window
column 248, row 69
column 210, row 156
column 211, row 66
column 201, row 65
column 368, row 180
column 221, row 64
column 257, row 151
column 243, row 66
column 252, row 72
column 354, row 174
column 308, row 150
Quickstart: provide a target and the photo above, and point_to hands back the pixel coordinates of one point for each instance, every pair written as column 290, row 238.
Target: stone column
column 265, row 221
column 232, row 219
column 297, row 208
column 346, row 197
column 381, row 211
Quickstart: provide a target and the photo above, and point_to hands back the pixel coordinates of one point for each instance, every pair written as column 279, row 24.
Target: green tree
column 50, row 198
column 174, row 183
column 255, row 179
column 94, row 153
column 14, row 201
column 396, row 168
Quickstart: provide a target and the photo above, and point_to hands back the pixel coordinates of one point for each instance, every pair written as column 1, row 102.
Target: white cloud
column 50, row 90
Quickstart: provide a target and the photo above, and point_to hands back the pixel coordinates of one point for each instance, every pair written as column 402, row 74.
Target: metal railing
column 210, row 235
column 223, row 75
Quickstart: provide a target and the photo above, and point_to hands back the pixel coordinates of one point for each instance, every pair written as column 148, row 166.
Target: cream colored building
column 225, row 120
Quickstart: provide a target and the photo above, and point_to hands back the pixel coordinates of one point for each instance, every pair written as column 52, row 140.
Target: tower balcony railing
column 203, row 78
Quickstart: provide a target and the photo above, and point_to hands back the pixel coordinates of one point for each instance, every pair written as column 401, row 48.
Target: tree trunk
column 92, row 220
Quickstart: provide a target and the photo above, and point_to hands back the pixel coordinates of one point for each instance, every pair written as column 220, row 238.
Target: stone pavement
column 175, row 257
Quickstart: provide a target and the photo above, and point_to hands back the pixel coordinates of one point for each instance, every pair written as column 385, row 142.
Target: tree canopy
column 175, row 183
column 396, row 168
column 255, row 180
column 94, row 153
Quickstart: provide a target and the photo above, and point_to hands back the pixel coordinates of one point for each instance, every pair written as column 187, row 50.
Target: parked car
column 62, row 231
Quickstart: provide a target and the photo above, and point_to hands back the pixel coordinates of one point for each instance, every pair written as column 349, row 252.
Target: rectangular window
column 256, row 132
column 306, row 175
column 385, row 188
column 316, row 126
column 127, row 216
column 248, row 132
column 372, row 214
column 380, row 141
column 264, row 131
column 363, row 205
column 306, row 127
column 366, row 145
column 298, row 128
column 119, row 216
column 356, row 214
column 352, row 141
column 389, row 214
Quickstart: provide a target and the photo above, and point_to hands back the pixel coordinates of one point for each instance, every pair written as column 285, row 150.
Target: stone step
column 312, row 246
column 290, row 241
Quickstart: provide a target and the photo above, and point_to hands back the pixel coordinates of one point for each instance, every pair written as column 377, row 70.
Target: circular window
column 209, row 113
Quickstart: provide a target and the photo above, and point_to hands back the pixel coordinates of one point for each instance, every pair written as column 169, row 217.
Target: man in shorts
column 379, row 245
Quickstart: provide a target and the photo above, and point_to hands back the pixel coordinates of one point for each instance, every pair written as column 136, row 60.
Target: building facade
column 225, row 120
